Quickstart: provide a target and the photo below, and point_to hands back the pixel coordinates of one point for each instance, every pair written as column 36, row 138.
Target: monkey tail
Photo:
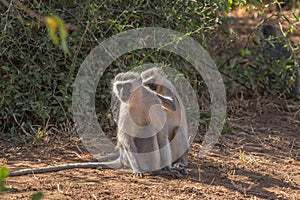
column 92, row 165
column 111, row 156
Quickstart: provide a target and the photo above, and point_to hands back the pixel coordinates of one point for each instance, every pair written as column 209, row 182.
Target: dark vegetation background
column 36, row 76
column 259, row 156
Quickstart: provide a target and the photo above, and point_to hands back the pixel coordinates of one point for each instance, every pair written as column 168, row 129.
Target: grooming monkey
column 146, row 148
column 149, row 153
column 155, row 79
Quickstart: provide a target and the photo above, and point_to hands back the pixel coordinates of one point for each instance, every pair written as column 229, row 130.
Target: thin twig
column 33, row 14
column 21, row 125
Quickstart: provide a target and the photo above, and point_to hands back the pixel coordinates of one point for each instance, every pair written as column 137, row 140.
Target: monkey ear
column 167, row 102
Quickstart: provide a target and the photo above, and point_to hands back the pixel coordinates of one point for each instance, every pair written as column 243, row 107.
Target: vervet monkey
column 297, row 82
column 155, row 79
column 144, row 149
column 274, row 45
column 136, row 107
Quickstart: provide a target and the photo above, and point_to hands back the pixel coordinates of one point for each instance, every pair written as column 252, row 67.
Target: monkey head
column 124, row 85
column 267, row 31
column 274, row 44
column 152, row 77
column 156, row 80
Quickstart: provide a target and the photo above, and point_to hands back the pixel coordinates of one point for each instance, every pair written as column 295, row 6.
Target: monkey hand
column 180, row 167
column 137, row 174
column 173, row 172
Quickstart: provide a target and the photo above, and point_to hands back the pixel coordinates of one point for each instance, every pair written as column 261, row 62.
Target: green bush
column 36, row 77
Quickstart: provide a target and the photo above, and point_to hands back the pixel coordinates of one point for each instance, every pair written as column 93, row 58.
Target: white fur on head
column 123, row 78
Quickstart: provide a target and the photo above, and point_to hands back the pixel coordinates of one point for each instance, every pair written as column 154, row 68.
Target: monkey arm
column 130, row 149
column 167, row 102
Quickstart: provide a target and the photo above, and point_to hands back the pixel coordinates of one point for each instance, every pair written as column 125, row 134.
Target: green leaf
column 2, row 185
column 5, row 68
column 37, row 196
column 4, row 172
column 291, row 29
column 245, row 52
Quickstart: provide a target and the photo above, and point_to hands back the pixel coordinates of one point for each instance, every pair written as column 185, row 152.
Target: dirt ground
column 258, row 159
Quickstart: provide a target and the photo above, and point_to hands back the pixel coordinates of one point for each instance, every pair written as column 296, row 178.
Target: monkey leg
column 164, row 148
column 175, row 172
column 166, row 155
column 179, row 147
column 168, row 171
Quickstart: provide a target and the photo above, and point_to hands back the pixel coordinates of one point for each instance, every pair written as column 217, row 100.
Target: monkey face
column 124, row 91
column 164, row 94
column 152, row 86
column 124, row 85
column 151, row 82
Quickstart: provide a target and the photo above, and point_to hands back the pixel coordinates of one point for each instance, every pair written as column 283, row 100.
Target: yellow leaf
column 51, row 22
column 54, row 25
